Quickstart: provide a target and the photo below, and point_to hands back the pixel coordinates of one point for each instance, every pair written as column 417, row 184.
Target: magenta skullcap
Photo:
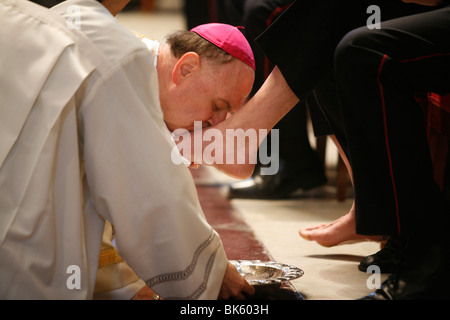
column 228, row 38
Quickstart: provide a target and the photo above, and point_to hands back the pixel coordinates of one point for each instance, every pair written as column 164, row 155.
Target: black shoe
column 385, row 258
column 282, row 185
column 420, row 273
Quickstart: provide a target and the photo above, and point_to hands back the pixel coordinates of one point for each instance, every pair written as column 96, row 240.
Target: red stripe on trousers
column 383, row 103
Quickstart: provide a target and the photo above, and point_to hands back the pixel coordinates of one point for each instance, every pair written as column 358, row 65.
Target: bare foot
column 341, row 231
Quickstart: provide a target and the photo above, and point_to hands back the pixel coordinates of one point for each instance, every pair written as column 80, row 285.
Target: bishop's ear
column 186, row 66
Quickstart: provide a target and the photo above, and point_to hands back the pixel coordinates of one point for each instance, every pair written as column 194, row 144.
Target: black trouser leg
column 377, row 74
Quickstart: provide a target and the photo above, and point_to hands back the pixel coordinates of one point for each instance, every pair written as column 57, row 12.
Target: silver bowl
column 266, row 273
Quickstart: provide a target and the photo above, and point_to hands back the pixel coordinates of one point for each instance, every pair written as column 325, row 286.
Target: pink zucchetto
column 228, row 38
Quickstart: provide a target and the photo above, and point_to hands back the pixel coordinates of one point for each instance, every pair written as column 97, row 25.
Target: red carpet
column 237, row 236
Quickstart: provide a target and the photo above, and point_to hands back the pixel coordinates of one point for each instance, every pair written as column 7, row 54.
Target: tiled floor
column 267, row 230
